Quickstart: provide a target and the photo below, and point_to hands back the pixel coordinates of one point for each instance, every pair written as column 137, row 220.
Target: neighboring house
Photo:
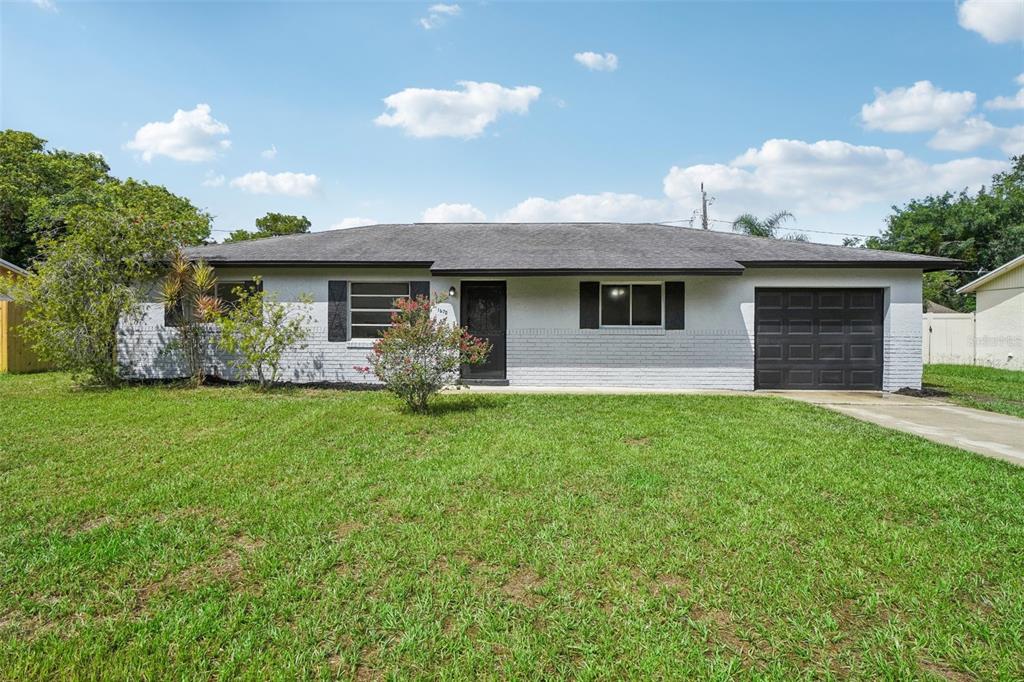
column 591, row 304
column 999, row 316
column 15, row 355
column 937, row 308
column 9, row 269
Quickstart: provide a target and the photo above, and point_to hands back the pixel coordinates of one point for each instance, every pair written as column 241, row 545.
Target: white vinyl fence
column 948, row 338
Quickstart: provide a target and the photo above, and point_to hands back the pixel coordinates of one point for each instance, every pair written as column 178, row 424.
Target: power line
column 785, row 229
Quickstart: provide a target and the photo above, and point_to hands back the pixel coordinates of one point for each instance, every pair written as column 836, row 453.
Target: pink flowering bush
column 419, row 355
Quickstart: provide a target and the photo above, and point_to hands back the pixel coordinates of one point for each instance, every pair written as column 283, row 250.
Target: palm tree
column 749, row 223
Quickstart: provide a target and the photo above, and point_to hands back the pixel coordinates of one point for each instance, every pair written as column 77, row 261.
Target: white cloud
column 189, row 136
column 917, row 108
column 269, row 153
column 213, row 179
column 603, row 207
column 829, row 184
column 438, row 14
column 975, row 132
column 998, row 21
column 1003, row 102
column 822, row 177
column 1013, row 140
column 346, row 223
column 287, row 184
column 596, row 61
column 46, row 5
column 453, row 213
column 465, row 113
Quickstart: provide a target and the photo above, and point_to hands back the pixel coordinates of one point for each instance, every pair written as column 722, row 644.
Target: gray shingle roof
column 550, row 247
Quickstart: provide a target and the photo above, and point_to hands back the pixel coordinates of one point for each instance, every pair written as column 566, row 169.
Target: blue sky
column 496, row 111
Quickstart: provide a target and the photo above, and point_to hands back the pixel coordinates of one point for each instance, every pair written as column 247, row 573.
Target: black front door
column 483, row 313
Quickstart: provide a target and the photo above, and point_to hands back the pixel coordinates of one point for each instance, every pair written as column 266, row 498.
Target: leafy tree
column 86, row 280
column 765, row 227
column 189, row 300
column 37, row 188
column 273, row 225
column 983, row 230
column 420, row 354
column 257, row 330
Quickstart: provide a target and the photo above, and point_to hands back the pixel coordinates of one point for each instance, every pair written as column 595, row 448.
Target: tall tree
column 769, row 227
column 87, row 279
column 37, row 187
column 984, row 230
column 273, row 225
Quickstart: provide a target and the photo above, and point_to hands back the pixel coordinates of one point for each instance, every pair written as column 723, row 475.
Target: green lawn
column 995, row 390
column 154, row 533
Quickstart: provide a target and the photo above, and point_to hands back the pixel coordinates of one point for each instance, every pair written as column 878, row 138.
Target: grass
column 986, row 388
column 169, row 533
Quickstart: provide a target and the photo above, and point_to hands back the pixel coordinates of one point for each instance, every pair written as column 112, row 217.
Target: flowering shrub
column 419, row 354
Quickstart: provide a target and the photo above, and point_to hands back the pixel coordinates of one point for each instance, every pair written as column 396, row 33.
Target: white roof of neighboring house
column 12, row 267
column 989, row 276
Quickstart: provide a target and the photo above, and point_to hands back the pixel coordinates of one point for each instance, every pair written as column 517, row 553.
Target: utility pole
column 703, row 207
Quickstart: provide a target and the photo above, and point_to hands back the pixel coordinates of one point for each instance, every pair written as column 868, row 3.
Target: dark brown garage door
column 818, row 338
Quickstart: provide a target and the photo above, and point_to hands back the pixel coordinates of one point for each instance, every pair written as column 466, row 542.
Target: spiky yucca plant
column 188, row 295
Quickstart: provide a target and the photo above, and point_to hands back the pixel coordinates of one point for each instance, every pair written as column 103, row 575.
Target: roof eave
column 924, row 265
column 973, row 285
column 235, row 262
column 541, row 272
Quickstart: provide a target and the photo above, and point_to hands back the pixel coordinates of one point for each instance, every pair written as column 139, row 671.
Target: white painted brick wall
column 594, row 357
column 546, row 346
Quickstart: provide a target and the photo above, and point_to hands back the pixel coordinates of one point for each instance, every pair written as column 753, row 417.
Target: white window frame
column 600, row 305
column 351, row 308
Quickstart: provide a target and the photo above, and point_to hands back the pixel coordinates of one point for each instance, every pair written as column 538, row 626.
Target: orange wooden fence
column 15, row 355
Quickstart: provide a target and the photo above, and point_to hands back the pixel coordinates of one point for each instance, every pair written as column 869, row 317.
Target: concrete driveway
column 986, row 433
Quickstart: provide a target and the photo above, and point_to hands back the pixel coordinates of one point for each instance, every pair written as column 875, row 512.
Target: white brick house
column 590, row 304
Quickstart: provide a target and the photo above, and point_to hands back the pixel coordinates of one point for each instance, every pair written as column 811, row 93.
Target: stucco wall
column 546, row 346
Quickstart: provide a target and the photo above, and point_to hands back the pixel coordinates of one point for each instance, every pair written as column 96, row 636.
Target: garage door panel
column 862, row 352
column 818, row 338
column 868, row 379
column 798, row 378
column 863, row 300
column 831, row 378
column 800, row 300
column 799, row 351
column 831, row 351
column 831, row 300
column 800, row 327
column 831, row 327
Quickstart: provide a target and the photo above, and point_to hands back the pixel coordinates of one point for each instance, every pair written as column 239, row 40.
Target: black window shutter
column 675, row 305
column 337, row 310
column 419, row 289
column 590, row 305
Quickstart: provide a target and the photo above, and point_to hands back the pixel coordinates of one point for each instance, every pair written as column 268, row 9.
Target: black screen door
column 483, row 313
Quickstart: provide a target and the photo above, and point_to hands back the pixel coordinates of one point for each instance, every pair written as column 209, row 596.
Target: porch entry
column 483, row 312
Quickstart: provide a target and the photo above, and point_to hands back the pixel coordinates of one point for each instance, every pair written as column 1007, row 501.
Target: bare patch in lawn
column 225, row 566
column 91, row 524
column 946, row 672
column 521, row 587
column 673, row 583
column 346, row 529
column 640, row 441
